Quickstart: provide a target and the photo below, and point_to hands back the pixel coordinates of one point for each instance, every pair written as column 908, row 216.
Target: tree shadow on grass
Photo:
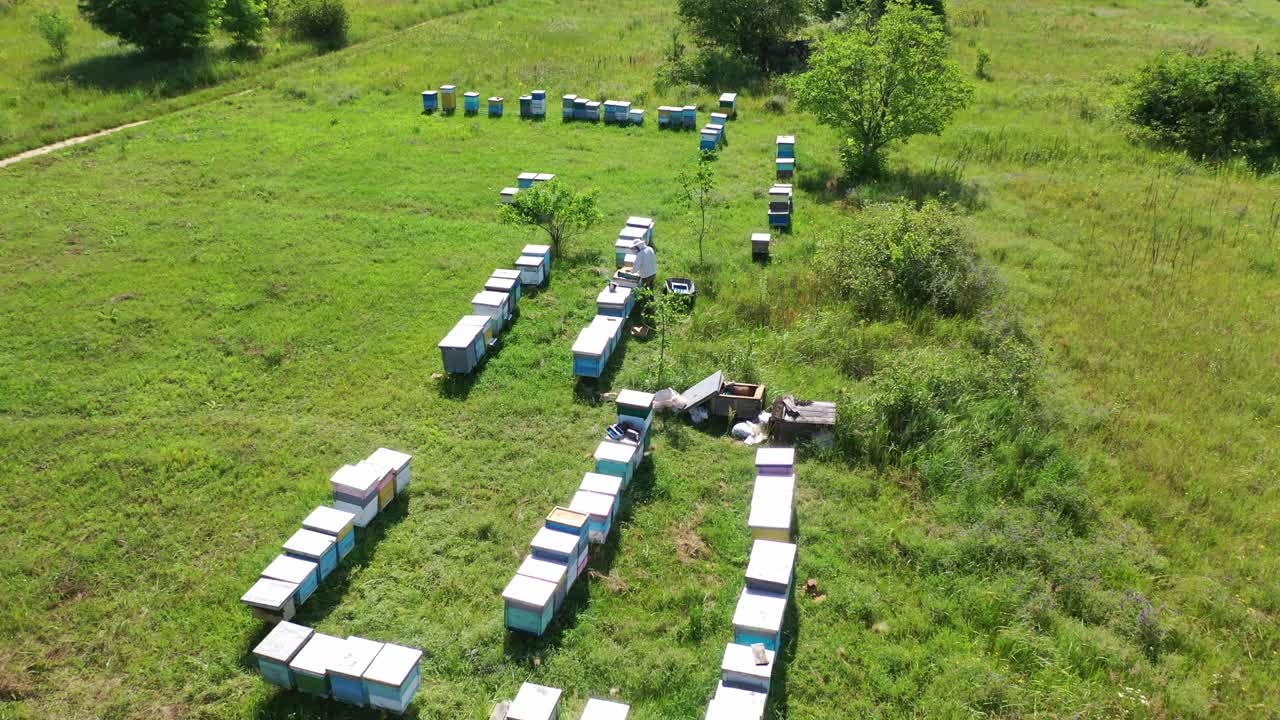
column 133, row 69
column 943, row 180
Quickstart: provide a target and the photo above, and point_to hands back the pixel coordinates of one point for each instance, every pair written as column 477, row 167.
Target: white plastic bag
column 699, row 414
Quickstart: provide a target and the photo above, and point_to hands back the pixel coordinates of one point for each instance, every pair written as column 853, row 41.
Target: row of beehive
column 539, row 702
column 713, row 135
column 327, row 535
column 524, row 181
column 596, row 343
column 560, row 550
column 360, row 672
column 747, row 664
column 616, row 112
column 532, row 106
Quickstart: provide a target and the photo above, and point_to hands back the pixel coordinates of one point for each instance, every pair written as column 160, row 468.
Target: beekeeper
column 646, row 265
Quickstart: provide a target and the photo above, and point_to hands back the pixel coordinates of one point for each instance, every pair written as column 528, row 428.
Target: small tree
column 699, row 185
column 883, row 81
column 555, row 209
column 55, row 28
column 245, row 20
column 665, row 310
column 750, row 27
column 164, row 27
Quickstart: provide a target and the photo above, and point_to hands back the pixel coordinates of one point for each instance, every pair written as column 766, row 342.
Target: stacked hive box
column 780, row 206
column 535, row 702
column 786, row 160
column 595, row 345
column 566, row 107
column 729, row 105
column 356, row 671
column 712, row 137
column 526, row 107
column 559, row 552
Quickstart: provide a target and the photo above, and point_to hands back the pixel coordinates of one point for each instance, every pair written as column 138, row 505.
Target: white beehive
column 598, row 709
column 772, row 566
column 399, row 461
column 758, row 618
column 535, row 702
column 775, row 461
column 738, row 668
column 772, row 508
column 272, row 600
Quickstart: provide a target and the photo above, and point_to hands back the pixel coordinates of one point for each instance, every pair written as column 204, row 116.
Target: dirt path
column 67, row 143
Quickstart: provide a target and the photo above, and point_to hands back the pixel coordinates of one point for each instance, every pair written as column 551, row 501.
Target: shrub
column 245, row 20
column 750, row 28
column 164, row 27
column 776, row 104
column 980, row 69
column 324, row 22
column 898, row 258
column 1214, row 107
column 55, row 28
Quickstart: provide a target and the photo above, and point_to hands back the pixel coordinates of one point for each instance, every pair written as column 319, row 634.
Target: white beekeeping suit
column 646, row 265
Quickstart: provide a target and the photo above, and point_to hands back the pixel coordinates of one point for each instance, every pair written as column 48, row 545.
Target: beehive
column 776, row 461
column 495, row 107
column 772, row 509
column 448, row 98
column 577, row 524
column 786, row 169
column 507, row 286
column 471, row 103
column 492, row 305
column 400, row 463
column 386, row 480
column 580, row 108
column 557, row 547
column 780, row 219
column 525, row 180
column 690, row 115
column 772, row 567
column 719, row 118
column 623, row 248
column 719, row 130
column 462, row 348
column 614, row 302
column 599, row 509
column 620, row 459
column 738, row 669
column 316, row 547
column 509, row 195
column 538, row 103
column 533, row 270
column 602, row 484
column 566, row 106
column 758, row 618
column 526, row 106
column 635, row 404
column 541, row 250
column 535, row 702
column 644, row 223
column 591, row 351
column 393, row 678
column 303, row 573
column 272, row 600
column 593, row 111
column 636, row 116
column 430, row 101
column 729, row 104
column 760, row 245
column 339, row 524
column 787, row 146
column 732, row 708
column 311, row 665
column 550, row 571
column 276, row 650
column 664, row 117
column 355, row 489
column 710, row 141
column 598, row 709
column 346, row 673
column 746, row 704
column 528, row 604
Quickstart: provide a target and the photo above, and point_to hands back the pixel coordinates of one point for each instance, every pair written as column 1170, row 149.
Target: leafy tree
column 324, row 22
column 749, row 27
column 163, row 27
column 829, row 9
column 1214, row 107
column 245, row 20
column 55, row 28
column 699, row 185
column 555, row 209
column 881, row 82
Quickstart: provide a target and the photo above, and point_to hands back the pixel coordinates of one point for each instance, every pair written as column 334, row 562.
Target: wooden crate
column 346, row 674
column 311, row 665
column 279, row 647
column 393, row 678
column 742, row 400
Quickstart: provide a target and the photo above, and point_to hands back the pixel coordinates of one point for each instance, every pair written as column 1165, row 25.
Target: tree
column 883, row 81
column 55, row 28
column 555, row 209
column 163, row 27
column 699, row 185
column 665, row 310
column 750, row 27
column 830, row 9
column 245, row 20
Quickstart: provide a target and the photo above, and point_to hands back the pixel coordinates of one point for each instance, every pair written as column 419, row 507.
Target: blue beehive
column 787, row 146
column 552, row 572
column 591, row 352
column 346, row 673
column 558, row 547
column 471, row 103
column 338, row 524
column 599, row 510
column 710, row 141
column 664, row 116
column 538, row 104
column 758, row 618
column 528, row 604
column 636, row 116
column 620, row 459
column 690, row 114
column 593, row 111
column 533, row 270
column 580, row 108
column 279, row 647
column 573, row 523
column 316, row 547
column 567, row 104
column 526, row 106
column 393, row 678
column 786, row 168
column 614, row 302
column 430, row 101
column 524, row 180
column 543, row 250
column 495, row 107
column 310, row 666
column 303, row 573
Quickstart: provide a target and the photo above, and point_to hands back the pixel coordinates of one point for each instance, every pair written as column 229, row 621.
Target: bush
column 897, row 258
column 55, row 28
column 164, row 27
column 245, row 20
column 776, row 104
column 1214, row 107
column 324, row 22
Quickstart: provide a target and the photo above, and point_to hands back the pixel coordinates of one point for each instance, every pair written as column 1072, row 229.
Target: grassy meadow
column 205, row 316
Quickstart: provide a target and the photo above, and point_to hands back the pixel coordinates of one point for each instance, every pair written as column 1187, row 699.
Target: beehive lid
column 761, row 237
column 569, row 97
column 591, row 342
column 715, row 127
column 703, row 391
column 496, row 99
column 784, row 161
column 525, row 97
column 625, row 244
column 429, row 92
column 527, row 176
column 536, row 249
column 741, row 659
column 592, row 503
column 605, row 324
column 529, row 261
column 357, row 654
column 393, row 665
column 459, row 338
column 529, row 591
column 505, row 273
column 610, row 451
column 732, row 708
column 510, row 191
column 502, row 285
column 549, row 540
column 750, row 696
column 534, row 702
column 635, row 399
column 320, row 651
column 786, row 139
column 289, row 569
column 598, row 709
column 269, row 594
column 329, row 520
column 543, row 177
column 640, row 222
column 283, row 642
column 617, row 295
column 772, row 562
column 601, row 483
column 632, row 233
column 358, row 480
column 472, row 94
column 309, row 543
column 546, row 570
column 729, row 97
column 691, row 107
column 474, row 321
column 624, row 104
column 775, row 457
column 592, row 104
column 448, row 88
column 489, row 298
column 771, row 505
column 760, row 610
column 565, row 516
column 380, row 468
column 781, row 190
column 394, row 458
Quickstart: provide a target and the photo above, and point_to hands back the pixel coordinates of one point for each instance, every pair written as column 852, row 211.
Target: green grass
column 203, row 317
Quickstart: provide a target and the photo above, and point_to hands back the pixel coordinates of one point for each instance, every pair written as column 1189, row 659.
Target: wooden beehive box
column 621, row 459
column 750, row 704
column 742, row 400
column 399, row 461
column 311, row 665
column 528, row 604
column 430, row 101
column 462, row 348
column 393, row 678
column 614, row 302
column 533, row 270
column 738, row 669
column 610, row 485
column 591, row 352
column 772, row 509
column 272, row 600
column 316, row 547
column 548, row 571
column 525, row 180
column 339, row 524
column 495, row 106
column 506, row 286
column 758, row 618
column 598, row 709
column 571, row 522
column 449, row 98
column 557, row 547
column 279, row 647
column 355, row 489
column 386, row 480
column 786, row 146
column 535, row 702
column 776, row 461
column 599, row 509
column 471, row 103
column 492, row 305
column 772, row 567
column 346, row 673
column 760, row 245
column 303, row 573
column 729, row 104
column 509, row 195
